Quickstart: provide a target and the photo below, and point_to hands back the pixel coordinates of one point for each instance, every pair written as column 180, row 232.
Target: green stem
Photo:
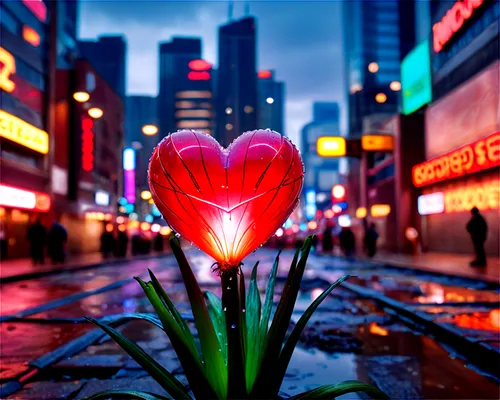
column 231, row 306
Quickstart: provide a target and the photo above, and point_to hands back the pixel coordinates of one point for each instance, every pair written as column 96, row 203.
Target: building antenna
column 230, row 7
column 247, row 8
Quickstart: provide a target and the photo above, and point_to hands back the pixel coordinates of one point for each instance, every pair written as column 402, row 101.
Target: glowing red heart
column 226, row 201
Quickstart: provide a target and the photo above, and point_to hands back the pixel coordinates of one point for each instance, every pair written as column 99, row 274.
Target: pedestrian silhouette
column 37, row 236
column 107, row 242
column 327, row 241
column 347, row 241
column 158, row 243
column 370, row 240
column 57, row 238
column 478, row 230
column 121, row 244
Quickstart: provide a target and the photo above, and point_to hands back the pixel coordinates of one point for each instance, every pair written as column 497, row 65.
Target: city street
column 350, row 336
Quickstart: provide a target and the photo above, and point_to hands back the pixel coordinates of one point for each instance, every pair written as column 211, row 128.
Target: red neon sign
column 264, row 74
column 477, row 156
column 38, row 8
column 199, row 65
column 25, row 199
column 199, row 76
column 453, row 21
column 87, row 144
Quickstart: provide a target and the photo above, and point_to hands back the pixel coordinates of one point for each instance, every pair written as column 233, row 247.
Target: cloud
column 301, row 40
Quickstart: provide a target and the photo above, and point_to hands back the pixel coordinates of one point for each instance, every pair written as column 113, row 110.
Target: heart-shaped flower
column 226, row 201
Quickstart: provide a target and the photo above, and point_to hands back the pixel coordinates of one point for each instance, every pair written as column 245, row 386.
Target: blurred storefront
column 88, row 155
column 462, row 127
column 24, row 141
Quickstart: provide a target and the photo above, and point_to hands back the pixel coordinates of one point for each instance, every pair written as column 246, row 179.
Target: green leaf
column 253, row 311
column 166, row 380
column 215, row 366
column 126, row 394
column 327, row 392
column 218, row 319
column 243, row 306
column 162, row 294
column 267, row 384
column 186, row 351
column 268, row 303
column 286, row 353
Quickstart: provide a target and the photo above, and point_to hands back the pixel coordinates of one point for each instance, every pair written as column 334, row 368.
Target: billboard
column 416, row 78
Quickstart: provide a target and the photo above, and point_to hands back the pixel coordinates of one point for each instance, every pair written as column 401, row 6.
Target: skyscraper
column 377, row 36
column 237, row 84
column 108, row 57
column 271, row 102
column 67, row 51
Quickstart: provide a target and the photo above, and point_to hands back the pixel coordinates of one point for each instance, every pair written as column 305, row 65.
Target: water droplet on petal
column 228, row 288
column 243, row 310
column 233, row 326
column 225, row 308
column 230, row 278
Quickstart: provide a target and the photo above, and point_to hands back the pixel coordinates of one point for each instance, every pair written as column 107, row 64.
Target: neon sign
column 199, row 65
column 129, row 165
column 477, row 156
column 38, row 8
column 31, row 36
column 431, row 203
column 7, row 69
column 198, row 76
column 22, row 133
column 263, row 74
column 199, row 70
column 87, row 144
column 25, row 199
column 485, row 196
column 453, row 21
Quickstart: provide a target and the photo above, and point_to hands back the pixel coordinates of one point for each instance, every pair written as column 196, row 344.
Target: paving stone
column 97, row 361
column 141, row 384
column 48, row 391
column 12, row 367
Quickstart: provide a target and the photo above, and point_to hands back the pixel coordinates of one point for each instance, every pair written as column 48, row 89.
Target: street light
column 81, row 97
column 395, row 86
column 146, row 195
column 270, row 100
column 150, row 130
column 95, row 112
column 381, row 98
column 373, row 67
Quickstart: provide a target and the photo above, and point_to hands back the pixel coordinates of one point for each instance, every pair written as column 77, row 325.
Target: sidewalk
column 23, row 268
column 443, row 263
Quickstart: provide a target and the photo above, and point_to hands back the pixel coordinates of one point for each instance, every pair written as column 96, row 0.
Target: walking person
column 121, row 244
column 37, row 236
column 347, row 242
column 57, row 238
column 370, row 240
column 327, row 241
column 478, row 230
column 107, row 242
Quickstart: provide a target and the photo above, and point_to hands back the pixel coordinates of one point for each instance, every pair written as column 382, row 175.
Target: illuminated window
column 185, row 104
column 248, row 109
column 229, row 127
column 205, row 105
column 193, row 124
column 194, row 94
column 207, row 131
column 192, row 113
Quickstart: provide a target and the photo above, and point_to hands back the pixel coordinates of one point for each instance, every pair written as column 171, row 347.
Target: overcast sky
column 301, row 40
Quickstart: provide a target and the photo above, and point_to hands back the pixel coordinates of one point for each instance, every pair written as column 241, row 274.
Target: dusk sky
column 301, row 40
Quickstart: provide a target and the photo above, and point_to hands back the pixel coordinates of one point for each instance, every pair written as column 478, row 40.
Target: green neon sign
column 416, row 78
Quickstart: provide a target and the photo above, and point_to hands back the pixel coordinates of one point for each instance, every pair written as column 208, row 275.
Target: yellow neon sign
column 7, row 69
column 377, row 142
column 331, row 146
column 380, row 210
column 21, row 132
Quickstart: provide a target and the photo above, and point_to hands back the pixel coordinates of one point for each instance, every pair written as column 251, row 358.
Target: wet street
column 412, row 334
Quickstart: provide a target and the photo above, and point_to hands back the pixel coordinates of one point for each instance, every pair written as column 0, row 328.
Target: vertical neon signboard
column 87, row 144
column 129, row 174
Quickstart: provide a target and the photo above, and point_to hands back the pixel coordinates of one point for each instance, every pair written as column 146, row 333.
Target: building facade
column 25, row 140
column 173, row 70
column 271, row 94
column 237, row 100
column 108, row 55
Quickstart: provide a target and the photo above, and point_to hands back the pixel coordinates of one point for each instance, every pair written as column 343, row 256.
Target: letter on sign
column 7, row 69
column 22, row 133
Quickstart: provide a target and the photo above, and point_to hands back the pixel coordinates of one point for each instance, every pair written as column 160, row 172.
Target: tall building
column 377, row 36
column 320, row 173
column 67, row 51
column 143, row 112
column 25, row 136
column 185, row 97
column 237, row 107
column 108, row 55
column 271, row 102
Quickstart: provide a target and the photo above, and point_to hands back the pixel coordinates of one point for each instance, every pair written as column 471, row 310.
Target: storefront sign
column 431, row 203
column 485, row 196
column 331, row 146
column 87, row 144
column 102, row 198
column 377, row 143
column 474, row 157
column 416, row 79
column 453, row 21
column 24, row 199
column 7, row 69
column 380, row 210
column 22, row 133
